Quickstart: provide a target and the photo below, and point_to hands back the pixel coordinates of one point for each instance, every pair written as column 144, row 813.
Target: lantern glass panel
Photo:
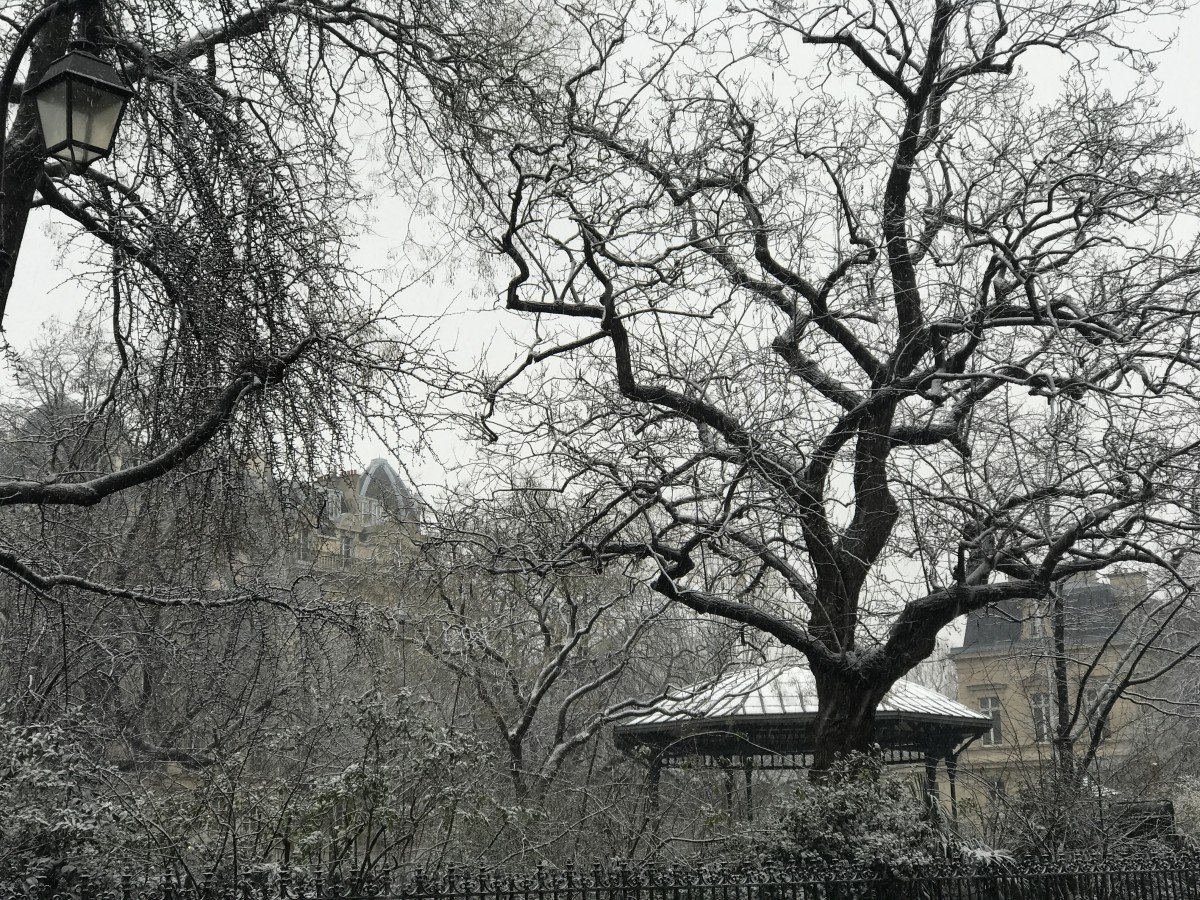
column 52, row 110
column 78, row 155
column 94, row 116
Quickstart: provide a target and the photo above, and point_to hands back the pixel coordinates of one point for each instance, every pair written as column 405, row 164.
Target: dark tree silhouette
column 844, row 330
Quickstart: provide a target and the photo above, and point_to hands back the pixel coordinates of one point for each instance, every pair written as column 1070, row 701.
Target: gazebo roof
column 768, row 713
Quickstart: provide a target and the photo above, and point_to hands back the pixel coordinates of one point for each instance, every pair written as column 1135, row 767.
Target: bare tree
column 537, row 666
column 845, row 332
column 237, row 336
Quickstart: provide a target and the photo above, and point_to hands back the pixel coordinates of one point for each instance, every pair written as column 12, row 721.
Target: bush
column 859, row 815
column 54, row 825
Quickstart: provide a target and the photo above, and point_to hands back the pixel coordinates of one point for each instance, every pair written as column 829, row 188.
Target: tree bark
column 23, row 153
column 1064, row 745
column 845, row 716
column 516, row 769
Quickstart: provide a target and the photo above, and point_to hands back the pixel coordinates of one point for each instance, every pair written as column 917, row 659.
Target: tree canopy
column 236, row 335
column 849, row 321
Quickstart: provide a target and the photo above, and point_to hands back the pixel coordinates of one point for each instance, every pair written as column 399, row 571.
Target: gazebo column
column 726, row 766
column 951, row 776
column 748, row 768
column 653, row 780
column 931, row 788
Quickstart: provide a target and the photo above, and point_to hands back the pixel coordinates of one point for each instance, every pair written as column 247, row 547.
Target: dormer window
column 372, row 510
column 332, row 510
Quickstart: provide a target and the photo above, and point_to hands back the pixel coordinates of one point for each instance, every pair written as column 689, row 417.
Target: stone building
column 359, row 523
column 1006, row 670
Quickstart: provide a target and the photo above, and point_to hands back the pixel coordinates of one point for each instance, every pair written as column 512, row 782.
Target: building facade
column 1010, row 670
column 357, row 528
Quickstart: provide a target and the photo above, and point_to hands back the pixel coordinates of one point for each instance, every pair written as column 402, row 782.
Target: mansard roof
column 1093, row 612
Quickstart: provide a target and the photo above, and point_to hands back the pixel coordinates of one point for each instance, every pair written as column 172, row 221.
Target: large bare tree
column 847, row 322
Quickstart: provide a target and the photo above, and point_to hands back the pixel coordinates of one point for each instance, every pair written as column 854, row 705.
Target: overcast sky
column 43, row 284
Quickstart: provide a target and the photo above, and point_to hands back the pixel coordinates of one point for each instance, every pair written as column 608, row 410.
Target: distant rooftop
column 382, row 482
column 1093, row 611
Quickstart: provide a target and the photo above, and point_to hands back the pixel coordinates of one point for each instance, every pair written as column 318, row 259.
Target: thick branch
column 89, row 493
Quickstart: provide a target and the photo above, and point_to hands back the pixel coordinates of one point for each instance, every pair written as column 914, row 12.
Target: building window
column 1035, row 622
column 372, row 510
column 304, row 548
column 347, row 549
column 995, row 789
column 1043, row 721
column 332, row 509
column 990, row 706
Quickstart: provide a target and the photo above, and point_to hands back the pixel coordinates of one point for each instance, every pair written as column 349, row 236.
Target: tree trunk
column 516, row 769
column 845, row 717
column 1064, row 745
column 24, row 155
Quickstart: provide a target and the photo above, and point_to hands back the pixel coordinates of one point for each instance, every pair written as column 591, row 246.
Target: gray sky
column 471, row 324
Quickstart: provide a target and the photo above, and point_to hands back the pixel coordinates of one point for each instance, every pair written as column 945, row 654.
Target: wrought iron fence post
column 1079, row 877
column 569, row 881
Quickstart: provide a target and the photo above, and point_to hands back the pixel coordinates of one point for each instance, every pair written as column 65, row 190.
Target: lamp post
column 80, row 101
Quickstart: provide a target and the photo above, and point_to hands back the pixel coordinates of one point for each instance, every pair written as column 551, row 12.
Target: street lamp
column 80, row 100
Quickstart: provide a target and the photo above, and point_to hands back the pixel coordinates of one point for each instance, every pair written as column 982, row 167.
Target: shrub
column 859, row 815
column 54, row 824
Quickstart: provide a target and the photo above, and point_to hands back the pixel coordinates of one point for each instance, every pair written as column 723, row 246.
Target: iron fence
column 1149, row 879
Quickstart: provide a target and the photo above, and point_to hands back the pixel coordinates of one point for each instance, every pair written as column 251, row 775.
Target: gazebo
column 764, row 718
